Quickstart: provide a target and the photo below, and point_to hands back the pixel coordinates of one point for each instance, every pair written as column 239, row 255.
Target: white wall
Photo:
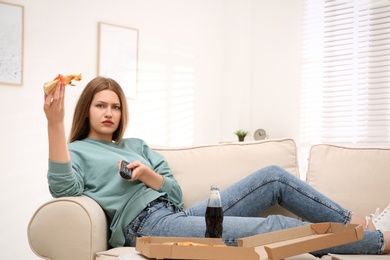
column 261, row 79
column 206, row 68
column 276, row 68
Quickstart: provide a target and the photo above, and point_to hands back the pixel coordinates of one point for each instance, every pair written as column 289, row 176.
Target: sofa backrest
column 356, row 178
column 196, row 168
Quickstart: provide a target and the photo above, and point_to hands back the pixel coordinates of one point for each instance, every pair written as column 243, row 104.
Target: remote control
column 124, row 171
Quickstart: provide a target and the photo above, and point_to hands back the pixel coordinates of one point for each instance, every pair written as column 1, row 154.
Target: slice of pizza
column 190, row 244
column 65, row 80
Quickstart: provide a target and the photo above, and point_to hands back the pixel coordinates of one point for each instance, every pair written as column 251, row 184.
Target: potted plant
column 241, row 134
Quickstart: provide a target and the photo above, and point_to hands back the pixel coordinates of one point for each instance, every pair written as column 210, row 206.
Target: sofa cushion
column 356, row 178
column 197, row 168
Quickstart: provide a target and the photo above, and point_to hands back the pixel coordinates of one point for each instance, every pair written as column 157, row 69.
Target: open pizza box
column 278, row 245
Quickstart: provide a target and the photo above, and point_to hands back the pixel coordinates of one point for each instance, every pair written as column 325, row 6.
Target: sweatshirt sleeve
column 64, row 180
column 170, row 186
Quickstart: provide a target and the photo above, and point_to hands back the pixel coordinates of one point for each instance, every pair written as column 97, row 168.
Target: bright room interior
column 205, row 69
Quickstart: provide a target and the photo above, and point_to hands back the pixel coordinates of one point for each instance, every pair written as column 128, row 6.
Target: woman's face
column 104, row 115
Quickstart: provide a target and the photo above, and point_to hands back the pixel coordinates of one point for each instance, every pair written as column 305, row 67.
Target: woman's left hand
column 144, row 174
column 138, row 169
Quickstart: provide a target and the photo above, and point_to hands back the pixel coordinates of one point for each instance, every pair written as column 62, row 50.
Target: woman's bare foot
column 366, row 223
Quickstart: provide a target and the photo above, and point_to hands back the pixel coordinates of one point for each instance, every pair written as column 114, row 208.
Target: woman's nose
column 108, row 112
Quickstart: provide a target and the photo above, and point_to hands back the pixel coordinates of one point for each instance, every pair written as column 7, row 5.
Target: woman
column 150, row 202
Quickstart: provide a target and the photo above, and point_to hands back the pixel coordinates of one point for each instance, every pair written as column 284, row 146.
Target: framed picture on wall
column 11, row 44
column 118, row 56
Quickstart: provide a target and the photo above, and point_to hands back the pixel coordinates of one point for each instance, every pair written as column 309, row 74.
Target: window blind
column 345, row 96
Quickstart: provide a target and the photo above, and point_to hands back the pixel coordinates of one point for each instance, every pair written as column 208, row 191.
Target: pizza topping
column 61, row 79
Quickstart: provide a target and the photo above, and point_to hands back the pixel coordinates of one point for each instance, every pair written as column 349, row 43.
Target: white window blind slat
column 345, row 95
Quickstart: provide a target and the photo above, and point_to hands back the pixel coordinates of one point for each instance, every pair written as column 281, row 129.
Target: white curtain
column 346, row 73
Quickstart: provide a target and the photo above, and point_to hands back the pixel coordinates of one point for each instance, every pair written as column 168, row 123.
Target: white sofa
column 358, row 178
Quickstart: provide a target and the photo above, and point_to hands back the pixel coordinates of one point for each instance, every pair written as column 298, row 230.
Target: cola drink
column 214, row 214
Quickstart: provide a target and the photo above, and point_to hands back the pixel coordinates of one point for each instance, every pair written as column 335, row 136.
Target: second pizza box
column 299, row 240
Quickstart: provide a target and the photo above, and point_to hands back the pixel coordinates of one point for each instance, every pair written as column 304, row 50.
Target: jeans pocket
column 130, row 232
column 134, row 229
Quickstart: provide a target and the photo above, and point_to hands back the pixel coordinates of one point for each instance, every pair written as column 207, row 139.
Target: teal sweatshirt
column 93, row 171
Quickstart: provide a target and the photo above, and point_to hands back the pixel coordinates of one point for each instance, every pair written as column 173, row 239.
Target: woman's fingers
column 54, row 103
column 56, row 94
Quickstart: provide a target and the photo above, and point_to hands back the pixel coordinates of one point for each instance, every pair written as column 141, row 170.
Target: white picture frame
column 11, row 44
column 118, row 56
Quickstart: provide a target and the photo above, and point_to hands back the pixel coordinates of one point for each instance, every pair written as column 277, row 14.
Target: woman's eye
column 100, row 106
column 117, row 107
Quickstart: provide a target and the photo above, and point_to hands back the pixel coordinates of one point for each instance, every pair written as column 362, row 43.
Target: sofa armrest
column 68, row 228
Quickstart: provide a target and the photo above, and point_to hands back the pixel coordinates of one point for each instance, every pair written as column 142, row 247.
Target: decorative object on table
column 260, row 134
column 11, row 44
column 118, row 56
column 241, row 134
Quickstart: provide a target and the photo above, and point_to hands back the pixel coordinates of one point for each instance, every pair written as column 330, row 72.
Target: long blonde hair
column 80, row 125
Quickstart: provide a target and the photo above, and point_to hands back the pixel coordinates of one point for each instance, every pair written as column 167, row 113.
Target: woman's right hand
column 54, row 105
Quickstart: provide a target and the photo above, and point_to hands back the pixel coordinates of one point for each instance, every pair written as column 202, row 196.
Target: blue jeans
column 243, row 202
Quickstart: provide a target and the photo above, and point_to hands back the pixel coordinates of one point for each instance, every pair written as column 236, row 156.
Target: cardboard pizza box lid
column 305, row 239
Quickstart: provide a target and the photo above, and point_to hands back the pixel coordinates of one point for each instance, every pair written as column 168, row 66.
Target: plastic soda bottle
column 214, row 214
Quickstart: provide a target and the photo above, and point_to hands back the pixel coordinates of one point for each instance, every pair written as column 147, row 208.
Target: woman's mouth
column 107, row 123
